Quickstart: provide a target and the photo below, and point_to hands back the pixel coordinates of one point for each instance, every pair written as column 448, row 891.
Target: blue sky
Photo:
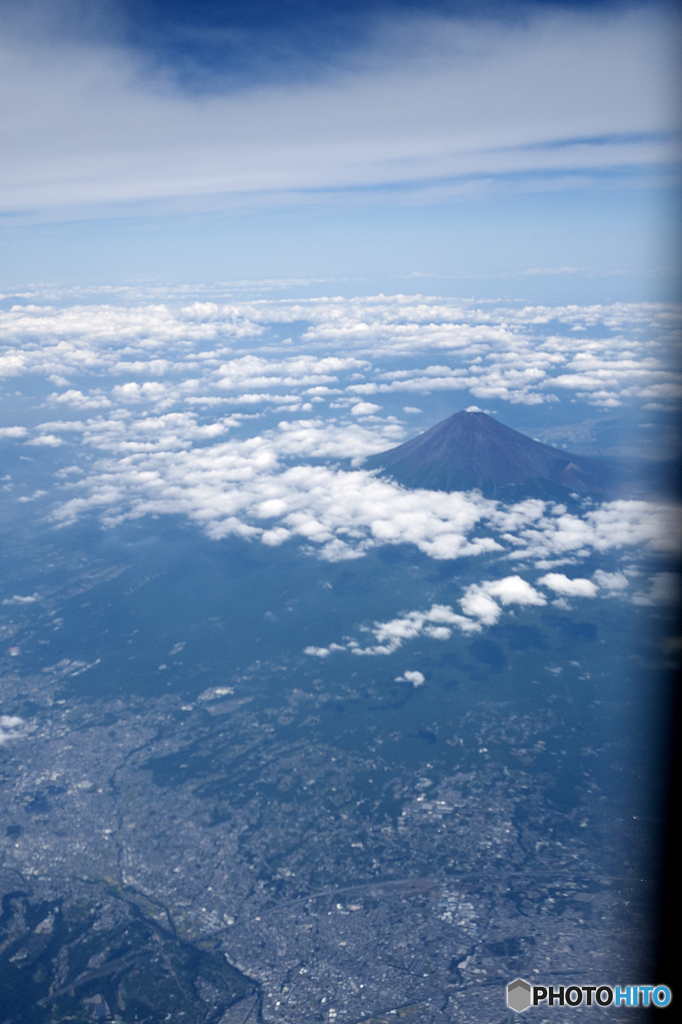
column 520, row 149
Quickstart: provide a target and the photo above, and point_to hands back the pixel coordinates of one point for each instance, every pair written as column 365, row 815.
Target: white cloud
column 670, row 391
column 436, row 623
column 318, row 438
column 174, row 464
column 237, row 486
column 479, row 598
column 561, row 584
column 303, row 370
column 364, row 409
column 612, row 582
column 121, row 433
column 11, row 728
column 32, row 497
column 88, row 339
column 159, row 456
column 412, row 676
column 18, row 599
column 482, row 604
column 151, row 391
column 77, row 400
column 46, row 441
column 612, row 525
column 317, row 652
column 664, row 589
column 502, row 353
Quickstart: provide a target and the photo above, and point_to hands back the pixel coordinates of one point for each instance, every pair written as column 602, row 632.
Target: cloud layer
column 86, row 124
column 167, row 398
column 202, row 354
column 172, row 464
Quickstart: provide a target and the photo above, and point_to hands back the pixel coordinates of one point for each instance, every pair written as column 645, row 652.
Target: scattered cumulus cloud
column 611, row 582
column 77, row 400
column 566, row 587
column 483, row 605
column 436, row 623
column 482, row 601
column 11, row 728
column 32, row 497
column 46, row 441
column 411, row 676
column 364, row 409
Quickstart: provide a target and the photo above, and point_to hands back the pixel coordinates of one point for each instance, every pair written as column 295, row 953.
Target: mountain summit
column 471, row 449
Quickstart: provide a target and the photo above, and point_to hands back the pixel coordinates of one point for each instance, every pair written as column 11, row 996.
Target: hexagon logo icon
column 518, row 995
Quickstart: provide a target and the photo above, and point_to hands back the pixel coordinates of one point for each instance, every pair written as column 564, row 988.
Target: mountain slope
column 471, row 449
